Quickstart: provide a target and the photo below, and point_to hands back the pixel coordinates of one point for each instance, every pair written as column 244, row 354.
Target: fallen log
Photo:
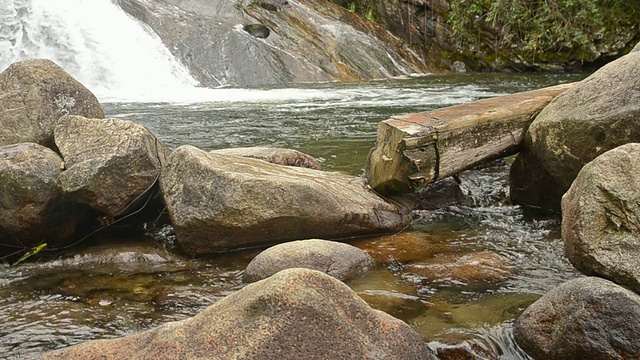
column 414, row 150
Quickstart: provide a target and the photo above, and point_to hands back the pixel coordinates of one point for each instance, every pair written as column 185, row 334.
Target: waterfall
column 112, row 54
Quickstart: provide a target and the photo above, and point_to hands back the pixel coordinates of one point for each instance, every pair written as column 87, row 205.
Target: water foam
column 112, row 54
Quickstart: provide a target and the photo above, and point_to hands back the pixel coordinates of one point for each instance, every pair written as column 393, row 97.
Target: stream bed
column 124, row 281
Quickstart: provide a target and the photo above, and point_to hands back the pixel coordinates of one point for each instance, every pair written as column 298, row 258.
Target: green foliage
column 365, row 8
column 539, row 28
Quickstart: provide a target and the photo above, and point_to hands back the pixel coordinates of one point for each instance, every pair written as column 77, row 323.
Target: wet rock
column 258, row 30
column 295, row 314
column 33, row 95
column 586, row 318
column 459, row 67
column 601, row 217
column 110, row 163
column 342, row 261
column 598, row 114
column 476, row 271
column 32, row 209
column 219, row 203
column 306, row 41
column 278, row 156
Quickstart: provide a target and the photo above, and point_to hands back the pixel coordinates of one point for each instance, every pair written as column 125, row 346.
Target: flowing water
column 468, row 265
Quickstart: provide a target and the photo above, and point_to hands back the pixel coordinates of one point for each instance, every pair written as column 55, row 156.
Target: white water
column 115, row 56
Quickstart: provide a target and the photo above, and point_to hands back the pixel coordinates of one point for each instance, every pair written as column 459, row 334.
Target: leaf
column 30, row 253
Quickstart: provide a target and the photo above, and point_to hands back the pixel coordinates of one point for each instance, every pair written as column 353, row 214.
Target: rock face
column 295, row 314
column 586, row 318
column 33, row 95
column 342, row 261
column 109, row 163
column 32, row 209
column 600, row 113
column 601, row 217
column 248, row 43
column 219, row 202
column 278, row 156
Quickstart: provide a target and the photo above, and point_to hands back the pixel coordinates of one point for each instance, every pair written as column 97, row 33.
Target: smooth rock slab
column 34, row 94
column 278, row 156
column 586, row 318
column 601, row 217
column 110, row 163
column 600, row 113
column 32, row 209
column 342, row 261
column 219, row 202
column 295, row 314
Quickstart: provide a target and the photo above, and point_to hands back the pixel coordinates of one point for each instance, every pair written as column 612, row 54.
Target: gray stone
column 600, row 113
column 33, row 95
column 278, row 156
column 110, row 163
column 306, row 41
column 220, row 202
column 586, row 318
column 342, row 261
column 32, row 209
column 459, row 67
column 601, row 217
column 295, row 314
column 636, row 48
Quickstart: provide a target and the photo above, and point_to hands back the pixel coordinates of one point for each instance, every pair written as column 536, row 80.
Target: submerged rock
column 342, row 261
column 480, row 270
column 278, row 156
column 295, row 314
column 586, row 318
column 110, row 163
column 601, row 217
column 598, row 114
column 219, row 202
column 33, row 95
column 32, row 209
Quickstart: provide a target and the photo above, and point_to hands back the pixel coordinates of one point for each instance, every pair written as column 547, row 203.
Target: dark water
column 128, row 282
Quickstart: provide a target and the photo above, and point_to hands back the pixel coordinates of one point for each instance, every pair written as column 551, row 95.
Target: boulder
column 295, row 314
column 220, row 202
column 32, row 209
column 33, row 95
column 585, row 318
column 342, row 261
column 636, row 48
column 598, row 114
column 601, row 217
column 278, row 156
column 110, row 163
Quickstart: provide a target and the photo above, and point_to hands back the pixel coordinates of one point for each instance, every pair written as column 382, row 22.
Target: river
column 126, row 281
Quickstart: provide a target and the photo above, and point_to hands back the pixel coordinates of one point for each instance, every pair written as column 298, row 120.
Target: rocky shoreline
column 96, row 171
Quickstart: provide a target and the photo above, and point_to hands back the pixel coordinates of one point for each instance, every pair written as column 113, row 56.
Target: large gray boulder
column 278, row 156
column 340, row 260
column 33, row 95
column 32, row 209
column 110, row 163
column 248, row 43
column 219, row 202
column 601, row 217
column 585, row 318
column 295, row 314
column 600, row 113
